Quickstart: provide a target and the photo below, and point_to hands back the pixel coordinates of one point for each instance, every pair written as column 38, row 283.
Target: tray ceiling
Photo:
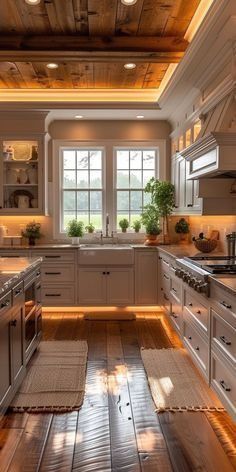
column 91, row 40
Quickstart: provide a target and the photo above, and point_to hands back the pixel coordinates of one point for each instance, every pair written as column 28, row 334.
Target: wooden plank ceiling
column 91, row 40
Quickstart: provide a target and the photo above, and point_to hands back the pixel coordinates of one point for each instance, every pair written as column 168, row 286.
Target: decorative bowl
column 205, row 245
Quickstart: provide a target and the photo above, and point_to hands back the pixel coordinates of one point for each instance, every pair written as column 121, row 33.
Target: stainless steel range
column 195, row 270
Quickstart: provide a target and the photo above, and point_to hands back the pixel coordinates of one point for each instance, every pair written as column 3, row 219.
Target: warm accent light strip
column 104, row 309
column 75, row 95
column 197, row 19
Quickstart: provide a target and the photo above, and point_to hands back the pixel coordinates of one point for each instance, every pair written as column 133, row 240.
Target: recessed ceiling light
column 52, row 65
column 78, row 117
column 32, row 2
column 130, row 65
column 128, row 2
column 140, row 117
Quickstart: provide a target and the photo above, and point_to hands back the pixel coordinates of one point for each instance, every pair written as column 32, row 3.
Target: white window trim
column 109, row 190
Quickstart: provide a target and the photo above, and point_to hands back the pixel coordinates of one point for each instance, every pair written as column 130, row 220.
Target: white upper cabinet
column 21, row 175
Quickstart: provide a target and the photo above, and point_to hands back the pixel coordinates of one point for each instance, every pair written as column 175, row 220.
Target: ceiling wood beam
column 91, row 49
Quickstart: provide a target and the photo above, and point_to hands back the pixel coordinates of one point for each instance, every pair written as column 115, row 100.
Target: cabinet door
column 175, row 179
column 5, row 359
column 146, row 277
column 182, row 183
column 17, row 340
column 120, row 286
column 92, row 286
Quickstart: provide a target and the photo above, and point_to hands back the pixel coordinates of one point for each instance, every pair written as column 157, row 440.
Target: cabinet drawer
column 223, row 381
column 196, row 345
column 196, row 309
column 175, row 289
column 223, row 335
column 57, row 296
column 224, row 302
column 165, row 282
column 58, row 273
column 5, row 303
column 176, row 314
column 54, row 256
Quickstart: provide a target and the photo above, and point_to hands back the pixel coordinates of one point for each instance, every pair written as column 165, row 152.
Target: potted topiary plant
column 32, row 232
column 123, row 224
column 90, row 228
column 162, row 199
column 182, row 228
column 75, row 230
column 136, row 226
column 150, row 220
column 152, row 231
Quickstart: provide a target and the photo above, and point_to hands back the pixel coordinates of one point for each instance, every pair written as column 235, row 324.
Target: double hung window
column 134, row 168
column 82, row 186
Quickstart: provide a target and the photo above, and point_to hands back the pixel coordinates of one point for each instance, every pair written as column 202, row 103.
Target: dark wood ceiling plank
column 28, row 72
column 102, row 17
column 91, row 44
column 128, row 18
column 81, row 15
column 10, row 18
column 154, row 17
column 82, row 75
column 180, row 17
column 61, row 16
column 154, row 75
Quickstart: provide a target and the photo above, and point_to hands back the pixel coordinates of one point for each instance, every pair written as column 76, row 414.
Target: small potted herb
column 75, row 230
column 32, row 232
column 182, row 228
column 124, row 224
column 152, row 231
column 90, row 228
column 136, row 226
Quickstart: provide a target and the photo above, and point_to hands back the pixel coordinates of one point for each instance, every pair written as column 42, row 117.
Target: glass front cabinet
column 21, row 175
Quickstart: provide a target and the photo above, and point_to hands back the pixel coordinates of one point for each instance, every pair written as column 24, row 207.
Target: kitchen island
column 20, row 321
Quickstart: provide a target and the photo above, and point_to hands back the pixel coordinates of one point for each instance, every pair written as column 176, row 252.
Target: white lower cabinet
column 207, row 327
column 146, row 287
column 105, row 286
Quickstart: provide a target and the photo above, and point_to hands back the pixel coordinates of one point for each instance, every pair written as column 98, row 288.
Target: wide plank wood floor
column 117, row 428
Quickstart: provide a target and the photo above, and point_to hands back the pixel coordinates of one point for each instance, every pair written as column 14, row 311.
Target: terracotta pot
column 151, row 240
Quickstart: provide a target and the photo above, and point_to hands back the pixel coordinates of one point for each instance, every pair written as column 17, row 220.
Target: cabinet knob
column 226, row 305
column 13, row 323
column 225, row 341
column 104, row 273
column 190, row 337
column 108, row 273
column 189, row 205
column 224, row 386
column 197, row 348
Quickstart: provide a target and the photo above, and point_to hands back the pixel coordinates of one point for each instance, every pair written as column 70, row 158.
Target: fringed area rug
column 55, row 381
column 175, row 384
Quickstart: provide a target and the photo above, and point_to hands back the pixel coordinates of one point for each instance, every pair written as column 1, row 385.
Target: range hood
column 213, row 154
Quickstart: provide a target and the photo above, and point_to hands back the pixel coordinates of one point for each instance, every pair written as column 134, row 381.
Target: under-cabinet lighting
column 32, row 2
column 52, row 65
column 128, row 2
column 130, row 65
column 78, row 117
column 140, row 117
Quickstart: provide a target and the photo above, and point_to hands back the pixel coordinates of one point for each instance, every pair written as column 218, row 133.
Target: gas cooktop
column 214, row 264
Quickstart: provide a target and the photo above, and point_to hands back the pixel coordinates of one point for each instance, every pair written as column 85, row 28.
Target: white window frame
column 109, row 175
column 130, row 148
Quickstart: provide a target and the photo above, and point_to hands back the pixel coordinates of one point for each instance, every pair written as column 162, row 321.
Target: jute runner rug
column 55, row 381
column 175, row 383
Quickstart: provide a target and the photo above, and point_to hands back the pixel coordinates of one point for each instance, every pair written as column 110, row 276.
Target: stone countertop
column 13, row 269
column 186, row 250
column 226, row 282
